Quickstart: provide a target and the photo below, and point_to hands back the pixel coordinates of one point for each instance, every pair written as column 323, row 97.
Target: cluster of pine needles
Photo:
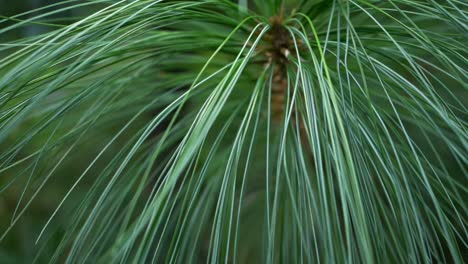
column 222, row 131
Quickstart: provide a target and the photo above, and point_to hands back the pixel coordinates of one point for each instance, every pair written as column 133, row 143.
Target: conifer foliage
column 250, row 131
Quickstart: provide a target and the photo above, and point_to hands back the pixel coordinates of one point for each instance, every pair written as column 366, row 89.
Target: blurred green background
column 9, row 8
